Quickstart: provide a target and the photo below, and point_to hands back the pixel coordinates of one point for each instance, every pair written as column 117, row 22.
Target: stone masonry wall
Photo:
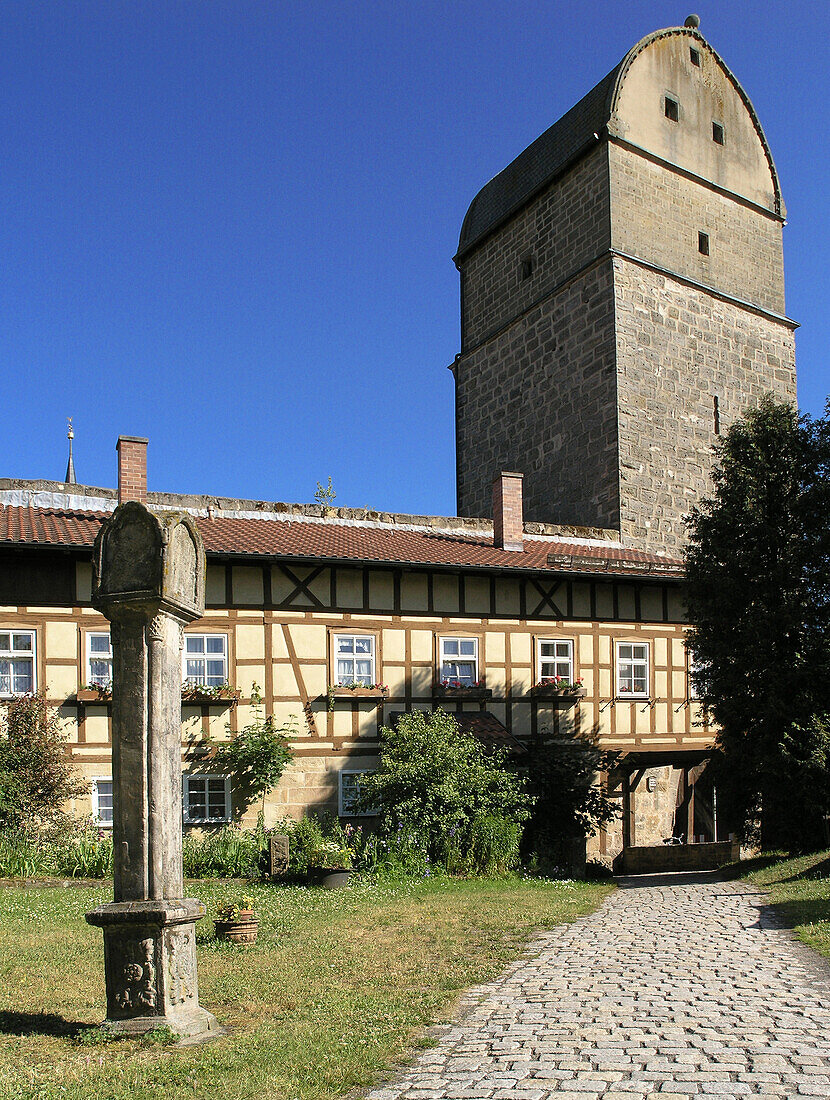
column 657, row 214
column 540, row 399
column 677, row 349
column 564, row 228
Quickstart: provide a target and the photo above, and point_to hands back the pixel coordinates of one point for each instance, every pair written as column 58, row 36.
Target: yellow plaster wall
column 285, row 681
column 421, row 644
column 96, row 726
column 250, row 641
column 61, row 640
column 309, row 639
column 61, row 680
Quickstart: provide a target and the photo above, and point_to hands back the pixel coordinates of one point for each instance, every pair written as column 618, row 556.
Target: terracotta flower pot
column 242, row 930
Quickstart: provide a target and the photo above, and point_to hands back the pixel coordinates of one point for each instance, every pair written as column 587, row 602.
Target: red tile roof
column 343, row 541
column 489, row 730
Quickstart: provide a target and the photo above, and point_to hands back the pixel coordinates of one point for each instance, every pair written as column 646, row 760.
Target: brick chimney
column 132, row 468
column 508, row 516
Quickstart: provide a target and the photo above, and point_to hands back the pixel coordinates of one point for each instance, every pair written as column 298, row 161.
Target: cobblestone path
column 677, row 986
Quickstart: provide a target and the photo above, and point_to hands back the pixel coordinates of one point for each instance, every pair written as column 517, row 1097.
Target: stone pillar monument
column 149, row 580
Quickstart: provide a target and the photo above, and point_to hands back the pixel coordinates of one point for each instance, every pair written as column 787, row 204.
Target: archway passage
column 671, row 819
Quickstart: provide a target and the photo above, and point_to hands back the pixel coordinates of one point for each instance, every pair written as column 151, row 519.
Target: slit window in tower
column 672, row 109
column 527, row 267
column 717, row 133
column 695, row 56
column 717, row 415
column 703, row 244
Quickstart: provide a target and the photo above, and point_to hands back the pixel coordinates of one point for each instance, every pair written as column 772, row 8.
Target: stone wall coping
column 24, row 493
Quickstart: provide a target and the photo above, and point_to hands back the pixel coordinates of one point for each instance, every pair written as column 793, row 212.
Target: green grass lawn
column 334, row 991
column 800, row 891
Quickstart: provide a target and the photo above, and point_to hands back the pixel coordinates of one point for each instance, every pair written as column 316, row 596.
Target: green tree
column 444, row 799
column 571, row 801
column 257, row 755
column 36, row 776
column 758, row 575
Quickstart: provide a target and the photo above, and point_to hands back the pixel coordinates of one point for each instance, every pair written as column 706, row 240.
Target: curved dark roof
column 544, row 159
column 566, row 141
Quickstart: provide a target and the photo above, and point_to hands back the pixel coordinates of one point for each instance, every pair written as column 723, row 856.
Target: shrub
column 36, row 777
column 19, row 855
column 571, row 801
column 230, row 853
column 66, row 847
column 257, row 755
column 444, row 800
column 78, row 849
column 322, row 842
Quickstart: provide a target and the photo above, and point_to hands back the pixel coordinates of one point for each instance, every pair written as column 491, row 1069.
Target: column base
column 150, row 965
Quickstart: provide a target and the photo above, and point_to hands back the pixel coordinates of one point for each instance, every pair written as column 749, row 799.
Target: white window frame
column 96, row 804
column 345, row 807
column 90, row 656
column 336, row 657
column 556, row 660
column 203, row 777
column 204, row 657
column 632, row 661
column 458, row 658
column 15, row 655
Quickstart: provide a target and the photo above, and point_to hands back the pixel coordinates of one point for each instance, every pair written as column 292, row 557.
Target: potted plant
column 331, row 865
column 559, row 687
column 354, row 689
column 457, row 689
column 95, row 693
column 235, row 921
column 219, row 694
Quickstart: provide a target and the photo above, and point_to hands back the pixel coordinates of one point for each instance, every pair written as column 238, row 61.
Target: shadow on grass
column 43, row 1023
column 799, row 911
column 745, row 867
column 818, row 870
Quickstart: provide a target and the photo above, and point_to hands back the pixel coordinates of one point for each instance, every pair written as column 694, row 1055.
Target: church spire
column 70, row 478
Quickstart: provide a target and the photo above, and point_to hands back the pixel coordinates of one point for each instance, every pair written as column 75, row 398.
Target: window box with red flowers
column 457, row 689
column 559, row 688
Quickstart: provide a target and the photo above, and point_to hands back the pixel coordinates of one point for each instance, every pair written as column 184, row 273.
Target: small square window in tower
column 671, row 108
column 717, row 133
column 694, row 56
column 703, row 244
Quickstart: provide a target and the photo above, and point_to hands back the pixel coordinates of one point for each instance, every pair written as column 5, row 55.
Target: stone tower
column 622, row 297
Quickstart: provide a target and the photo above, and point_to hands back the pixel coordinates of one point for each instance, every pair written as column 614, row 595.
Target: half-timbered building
column 420, row 611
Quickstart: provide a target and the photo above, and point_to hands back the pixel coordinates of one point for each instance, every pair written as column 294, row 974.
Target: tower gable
column 679, row 65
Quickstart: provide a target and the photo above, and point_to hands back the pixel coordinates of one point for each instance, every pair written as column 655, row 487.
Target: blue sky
column 228, row 226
